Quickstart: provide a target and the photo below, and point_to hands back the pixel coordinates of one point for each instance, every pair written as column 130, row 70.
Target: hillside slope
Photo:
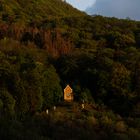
column 30, row 10
column 47, row 44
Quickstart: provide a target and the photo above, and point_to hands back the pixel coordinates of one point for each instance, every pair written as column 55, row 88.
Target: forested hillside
column 47, row 44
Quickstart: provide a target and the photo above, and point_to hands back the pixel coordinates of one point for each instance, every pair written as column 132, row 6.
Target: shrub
column 120, row 127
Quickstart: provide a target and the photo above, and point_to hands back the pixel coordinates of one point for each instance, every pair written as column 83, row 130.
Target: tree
column 31, row 85
column 8, row 102
column 52, row 92
column 120, row 80
column 120, row 41
column 120, row 83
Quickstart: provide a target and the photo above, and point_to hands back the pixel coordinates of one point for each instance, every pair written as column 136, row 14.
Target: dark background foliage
column 51, row 45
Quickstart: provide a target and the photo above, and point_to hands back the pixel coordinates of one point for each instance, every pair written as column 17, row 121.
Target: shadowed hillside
column 47, row 44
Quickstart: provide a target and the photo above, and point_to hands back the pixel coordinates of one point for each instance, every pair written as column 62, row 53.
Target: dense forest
column 47, row 44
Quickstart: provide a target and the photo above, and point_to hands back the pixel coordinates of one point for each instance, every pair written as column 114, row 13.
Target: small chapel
column 68, row 94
